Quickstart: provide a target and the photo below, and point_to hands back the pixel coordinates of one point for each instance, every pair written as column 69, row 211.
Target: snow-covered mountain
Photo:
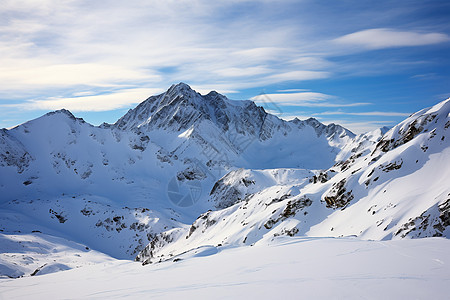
column 388, row 188
column 114, row 187
column 229, row 132
column 183, row 170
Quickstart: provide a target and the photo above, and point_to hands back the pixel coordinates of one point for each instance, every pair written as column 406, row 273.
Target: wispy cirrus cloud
column 368, row 113
column 293, row 90
column 103, row 102
column 72, row 50
column 134, row 45
column 37, row 74
column 307, row 99
column 379, row 38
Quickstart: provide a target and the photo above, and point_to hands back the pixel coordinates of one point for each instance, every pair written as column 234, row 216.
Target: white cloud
column 131, row 45
column 298, row 76
column 312, row 62
column 307, row 99
column 16, row 74
column 293, row 98
column 87, row 47
column 102, row 102
column 369, row 113
column 380, row 38
column 293, row 90
column 242, row 72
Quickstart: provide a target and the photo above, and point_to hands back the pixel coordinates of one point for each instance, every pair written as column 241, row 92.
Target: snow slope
column 288, row 268
column 38, row 254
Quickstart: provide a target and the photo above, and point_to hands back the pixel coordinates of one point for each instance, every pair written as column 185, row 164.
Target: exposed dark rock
column 59, row 216
column 414, row 129
column 392, row 166
column 191, row 173
column 338, row 196
column 158, row 241
column 276, row 200
column 289, row 211
column 432, row 222
column 322, row 177
column 289, row 232
column 230, row 190
column 204, row 221
column 13, row 153
column 86, row 211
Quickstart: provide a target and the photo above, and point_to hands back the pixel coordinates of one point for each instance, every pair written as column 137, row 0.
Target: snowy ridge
column 229, row 132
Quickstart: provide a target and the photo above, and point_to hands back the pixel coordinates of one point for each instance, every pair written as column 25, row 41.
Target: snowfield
column 286, row 268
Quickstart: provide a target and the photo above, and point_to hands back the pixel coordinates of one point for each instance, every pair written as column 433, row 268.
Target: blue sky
column 362, row 64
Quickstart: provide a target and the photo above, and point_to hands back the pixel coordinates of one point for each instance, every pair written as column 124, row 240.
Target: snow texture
column 288, row 268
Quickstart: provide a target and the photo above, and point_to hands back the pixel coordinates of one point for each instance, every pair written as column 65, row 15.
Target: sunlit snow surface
column 286, row 268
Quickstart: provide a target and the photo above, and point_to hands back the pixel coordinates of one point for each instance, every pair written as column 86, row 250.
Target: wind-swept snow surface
column 287, row 268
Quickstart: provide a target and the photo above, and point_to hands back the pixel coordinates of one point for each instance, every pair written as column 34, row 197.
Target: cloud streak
column 104, row 102
column 306, row 99
column 380, row 38
column 369, row 113
column 88, row 51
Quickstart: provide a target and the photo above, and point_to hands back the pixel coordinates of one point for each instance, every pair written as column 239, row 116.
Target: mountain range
column 183, row 171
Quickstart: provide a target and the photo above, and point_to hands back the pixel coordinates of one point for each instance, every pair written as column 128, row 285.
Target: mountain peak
column 180, row 107
column 430, row 121
column 62, row 111
column 181, row 86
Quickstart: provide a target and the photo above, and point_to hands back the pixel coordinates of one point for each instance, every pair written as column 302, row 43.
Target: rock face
column 181, row 107
column 13, row 153
column 338, row 196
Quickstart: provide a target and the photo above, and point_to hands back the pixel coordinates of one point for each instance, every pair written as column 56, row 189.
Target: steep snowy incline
column 402, row 186
column 389, row 187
